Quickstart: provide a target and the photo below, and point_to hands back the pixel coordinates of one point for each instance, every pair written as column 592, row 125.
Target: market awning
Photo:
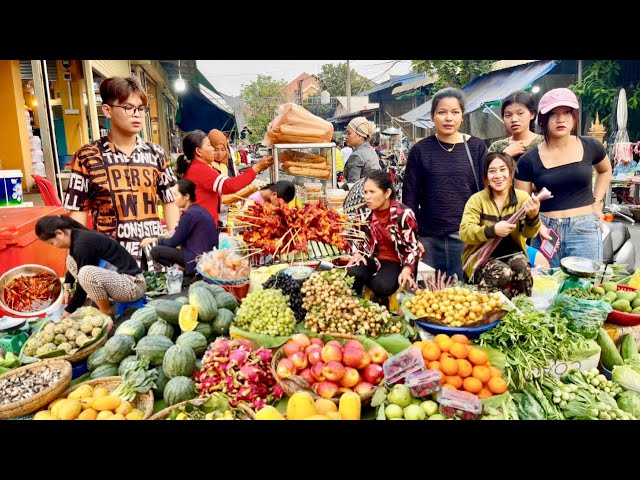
column 367, row 113
column 198, row 112
column 491, row 87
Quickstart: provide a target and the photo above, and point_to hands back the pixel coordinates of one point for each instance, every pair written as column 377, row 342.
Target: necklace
column 445, row 149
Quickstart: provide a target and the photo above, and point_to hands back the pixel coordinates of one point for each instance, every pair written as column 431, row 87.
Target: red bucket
column 239, row 291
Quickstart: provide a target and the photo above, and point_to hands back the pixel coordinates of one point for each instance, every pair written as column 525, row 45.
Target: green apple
column 437, row 416
column 400, row 395
column 430, row 407
column 393, row 411
column 414, row 412
column 416, row 401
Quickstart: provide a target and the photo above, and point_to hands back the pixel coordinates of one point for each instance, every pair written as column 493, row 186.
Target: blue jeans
column 444, row 253
column 580, row 236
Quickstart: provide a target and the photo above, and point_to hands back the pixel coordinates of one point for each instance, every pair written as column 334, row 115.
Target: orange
column 443, row 379
column 482, row 373
column 445, row 355
column 484, row 393
column 440, row 337
column 418, row 344
column 459, row 338
column 458, row 350
column 435, row 365
column 449, row 366
column 497, row 385
column 472, row 385
column 444, row 344
column 477, row 357
column 454, row 380
column 448, row 385
column 495, row 372
column 464, row 368
column 431, row 352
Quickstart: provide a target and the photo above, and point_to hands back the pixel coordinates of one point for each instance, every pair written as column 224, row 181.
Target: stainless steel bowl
column 30, row 269
column 579, row 266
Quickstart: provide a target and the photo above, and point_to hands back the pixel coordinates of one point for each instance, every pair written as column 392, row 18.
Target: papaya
column 300, row 406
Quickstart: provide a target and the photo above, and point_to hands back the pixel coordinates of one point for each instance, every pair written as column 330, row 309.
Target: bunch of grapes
column 289, row 287
column 266, row 312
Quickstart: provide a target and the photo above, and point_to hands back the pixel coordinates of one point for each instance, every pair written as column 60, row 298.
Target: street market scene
column 378, row 240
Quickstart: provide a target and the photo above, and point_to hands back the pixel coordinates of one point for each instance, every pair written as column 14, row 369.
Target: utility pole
column 348, row 88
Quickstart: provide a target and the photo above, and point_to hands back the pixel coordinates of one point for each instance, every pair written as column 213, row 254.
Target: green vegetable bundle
column 585, row 315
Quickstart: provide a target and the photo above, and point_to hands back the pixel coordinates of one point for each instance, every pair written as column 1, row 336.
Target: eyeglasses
column 129, row 109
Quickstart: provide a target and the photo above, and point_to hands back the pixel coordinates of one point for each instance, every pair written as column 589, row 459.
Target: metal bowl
column 30, row 269
column 579, row 266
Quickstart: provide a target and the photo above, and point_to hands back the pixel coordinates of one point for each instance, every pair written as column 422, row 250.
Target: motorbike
column 394, row 165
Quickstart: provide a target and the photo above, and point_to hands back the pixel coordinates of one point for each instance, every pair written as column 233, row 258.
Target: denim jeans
column 444, row 253
column 580, row 236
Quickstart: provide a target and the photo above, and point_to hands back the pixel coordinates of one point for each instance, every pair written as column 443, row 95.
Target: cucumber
column 610, row 356
column 628, row 347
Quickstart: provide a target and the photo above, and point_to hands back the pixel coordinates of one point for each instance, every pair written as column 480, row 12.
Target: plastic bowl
column 473, row 332
column 622, row 318
column 31, row 269
column 299, row 274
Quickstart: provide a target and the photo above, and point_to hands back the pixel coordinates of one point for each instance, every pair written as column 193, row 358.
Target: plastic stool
column 121, row 307
column 394, row 306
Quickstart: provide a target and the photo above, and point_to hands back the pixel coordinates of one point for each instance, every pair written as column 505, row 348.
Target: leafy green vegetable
column 626, row 376
column 629, row 402
column 266, row 341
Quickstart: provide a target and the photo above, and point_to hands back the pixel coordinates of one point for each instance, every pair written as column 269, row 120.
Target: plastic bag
column 585, row 316
column 544, row 289
column 295, row 124
column 224, row 266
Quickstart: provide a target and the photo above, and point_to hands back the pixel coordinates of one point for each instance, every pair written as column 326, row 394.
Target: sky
column 228, row 76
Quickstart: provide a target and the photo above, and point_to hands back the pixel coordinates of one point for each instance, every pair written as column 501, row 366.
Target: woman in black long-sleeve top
column 196, row 232
column 101, row 268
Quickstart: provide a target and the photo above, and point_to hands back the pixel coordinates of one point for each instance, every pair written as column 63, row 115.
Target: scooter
column 617, row 246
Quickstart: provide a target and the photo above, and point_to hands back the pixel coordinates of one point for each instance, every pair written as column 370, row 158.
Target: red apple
column 317, row 341
column 354, row 344
column 331, row 352
column 326, row 389
column 302, row 339
column 285, row 368
column 363, row 388
column 300, row 360
column 352, row 357
column 316, row 371
column 373, row 374
column 336, row 343
column 333, row 371
column 311, row 348
column 378, row 354
column 292, row 347
column 350, row 378
column 366, row 360
column 306, row 374
column 315, row 356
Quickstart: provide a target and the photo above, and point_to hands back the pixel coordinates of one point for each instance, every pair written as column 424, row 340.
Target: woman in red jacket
column 195, row 165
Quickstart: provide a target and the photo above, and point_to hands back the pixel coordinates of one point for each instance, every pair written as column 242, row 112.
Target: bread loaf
column 315, row 166
column 240, row 194
column 309, row 172
column 296, row 156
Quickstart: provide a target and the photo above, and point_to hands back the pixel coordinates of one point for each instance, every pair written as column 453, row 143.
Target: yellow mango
column 269, row 413
column 300, row 406
column 135, row 414
column 55, row 410
column 182, row 416
column 110, row 402
column 324, row 406
column 100, row 392
column 317, row 417
column 44, row 415
column 124, row 407
column 54, row 403
column 104, row 415
column 81, row 392
column 87, row 403
column 88, row 414
column 69, row 409
column 350, row 406
column 334, row 416
column 117, row 416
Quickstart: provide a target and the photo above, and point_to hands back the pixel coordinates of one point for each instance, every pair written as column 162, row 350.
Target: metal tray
column 579, row 266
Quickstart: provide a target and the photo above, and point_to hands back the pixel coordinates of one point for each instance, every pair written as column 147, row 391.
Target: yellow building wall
column 112, row 68
column 14, row 147
column 76, row 127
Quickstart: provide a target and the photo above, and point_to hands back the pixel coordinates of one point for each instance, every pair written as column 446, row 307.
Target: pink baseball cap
column 558, row 97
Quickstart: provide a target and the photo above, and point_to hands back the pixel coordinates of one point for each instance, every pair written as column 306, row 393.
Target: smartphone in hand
column 548, row 248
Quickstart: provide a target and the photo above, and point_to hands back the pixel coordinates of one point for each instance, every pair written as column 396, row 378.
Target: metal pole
column 348, row 88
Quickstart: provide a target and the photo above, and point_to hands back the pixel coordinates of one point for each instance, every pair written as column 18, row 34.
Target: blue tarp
column 197, row 112
column 395, row 80
column 491, row 87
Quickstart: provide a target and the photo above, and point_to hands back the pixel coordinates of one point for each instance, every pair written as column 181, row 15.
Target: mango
column 110, row 402
column 269, row 413
column 87, row 402
column 81, row 392
column 635, row 303
column 104, row 415
column 44, row 415
column 69, row 409
column 117, row 416
column 621, row 305
column 135, row 414
column 636, row 310
column 317, row 417
column 53, row 404
column 300, row 406
column 611, row 296
column 334, row 416
column 610, row 286
column 100, row 392
column 88, row 414
column 324, row 406
column 598, row 290
column 124, row 408
column 349, row 406
column 629, row 296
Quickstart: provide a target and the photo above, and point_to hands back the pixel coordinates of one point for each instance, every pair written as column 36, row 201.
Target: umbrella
column 622, row 147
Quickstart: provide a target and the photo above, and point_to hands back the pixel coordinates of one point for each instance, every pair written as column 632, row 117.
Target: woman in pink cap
column 563, row 164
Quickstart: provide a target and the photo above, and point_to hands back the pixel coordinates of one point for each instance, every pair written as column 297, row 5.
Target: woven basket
column 42, row 398
column 294, row 383
column 143, row 401
column 85, row 352
column 163, row 414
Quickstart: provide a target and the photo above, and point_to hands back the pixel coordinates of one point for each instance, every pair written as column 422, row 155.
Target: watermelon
column 205, row 329
column 161, row 382
column 179, row 361
column 153, row 347
column 97, row 358
column 133, row 328
column 160, row 327
column 182, row 300
column 127, row 364
column 204, row 301
column 179, row 389
column 196, row 340
column 106, row 370
column 146, row 316
column 169, row 311
column 222, row 322
column 226, row 300
column 118, row 348
column 154, row 303
column 209, row 286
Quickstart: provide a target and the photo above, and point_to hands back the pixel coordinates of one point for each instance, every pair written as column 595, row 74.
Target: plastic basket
column 239, row 291
column 622, row 318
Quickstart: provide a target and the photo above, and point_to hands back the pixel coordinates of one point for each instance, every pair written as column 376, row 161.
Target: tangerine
column 497, row 385
column 458, row 350
column 431, row 352
column 477, row 357
column 484, row 393
column 440, row 337
column 459, row 338
column 454, row 380
column 418, row 344
column 464, row 368
column 435, row 365
column 449, row 366
column 495, row 372
column 482, row 373
column 472, row 385
column 444, row 344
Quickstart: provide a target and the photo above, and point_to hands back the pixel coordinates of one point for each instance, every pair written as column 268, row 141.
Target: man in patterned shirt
column 120, row 177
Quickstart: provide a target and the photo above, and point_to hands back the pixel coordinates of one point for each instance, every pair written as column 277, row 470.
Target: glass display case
column 305, row 163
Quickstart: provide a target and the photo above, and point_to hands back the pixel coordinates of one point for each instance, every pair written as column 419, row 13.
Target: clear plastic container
column 459, row 404
column 312, row 187
column 174, row 280
column 424, row 382
column 402, row 364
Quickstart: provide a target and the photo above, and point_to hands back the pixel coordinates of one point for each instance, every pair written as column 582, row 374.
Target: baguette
column 309, row 172
column 240, row 194
column 295, row 156
column 315, row 166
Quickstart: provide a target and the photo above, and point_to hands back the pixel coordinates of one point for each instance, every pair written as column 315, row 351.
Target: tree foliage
column 261, row 98
column 452, row 73
column 333, row 77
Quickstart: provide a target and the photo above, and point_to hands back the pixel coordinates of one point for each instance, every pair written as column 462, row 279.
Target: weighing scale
column 580, row 270
column 14, row 333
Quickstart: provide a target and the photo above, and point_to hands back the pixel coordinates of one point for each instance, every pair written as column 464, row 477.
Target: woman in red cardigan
column 195, row 165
